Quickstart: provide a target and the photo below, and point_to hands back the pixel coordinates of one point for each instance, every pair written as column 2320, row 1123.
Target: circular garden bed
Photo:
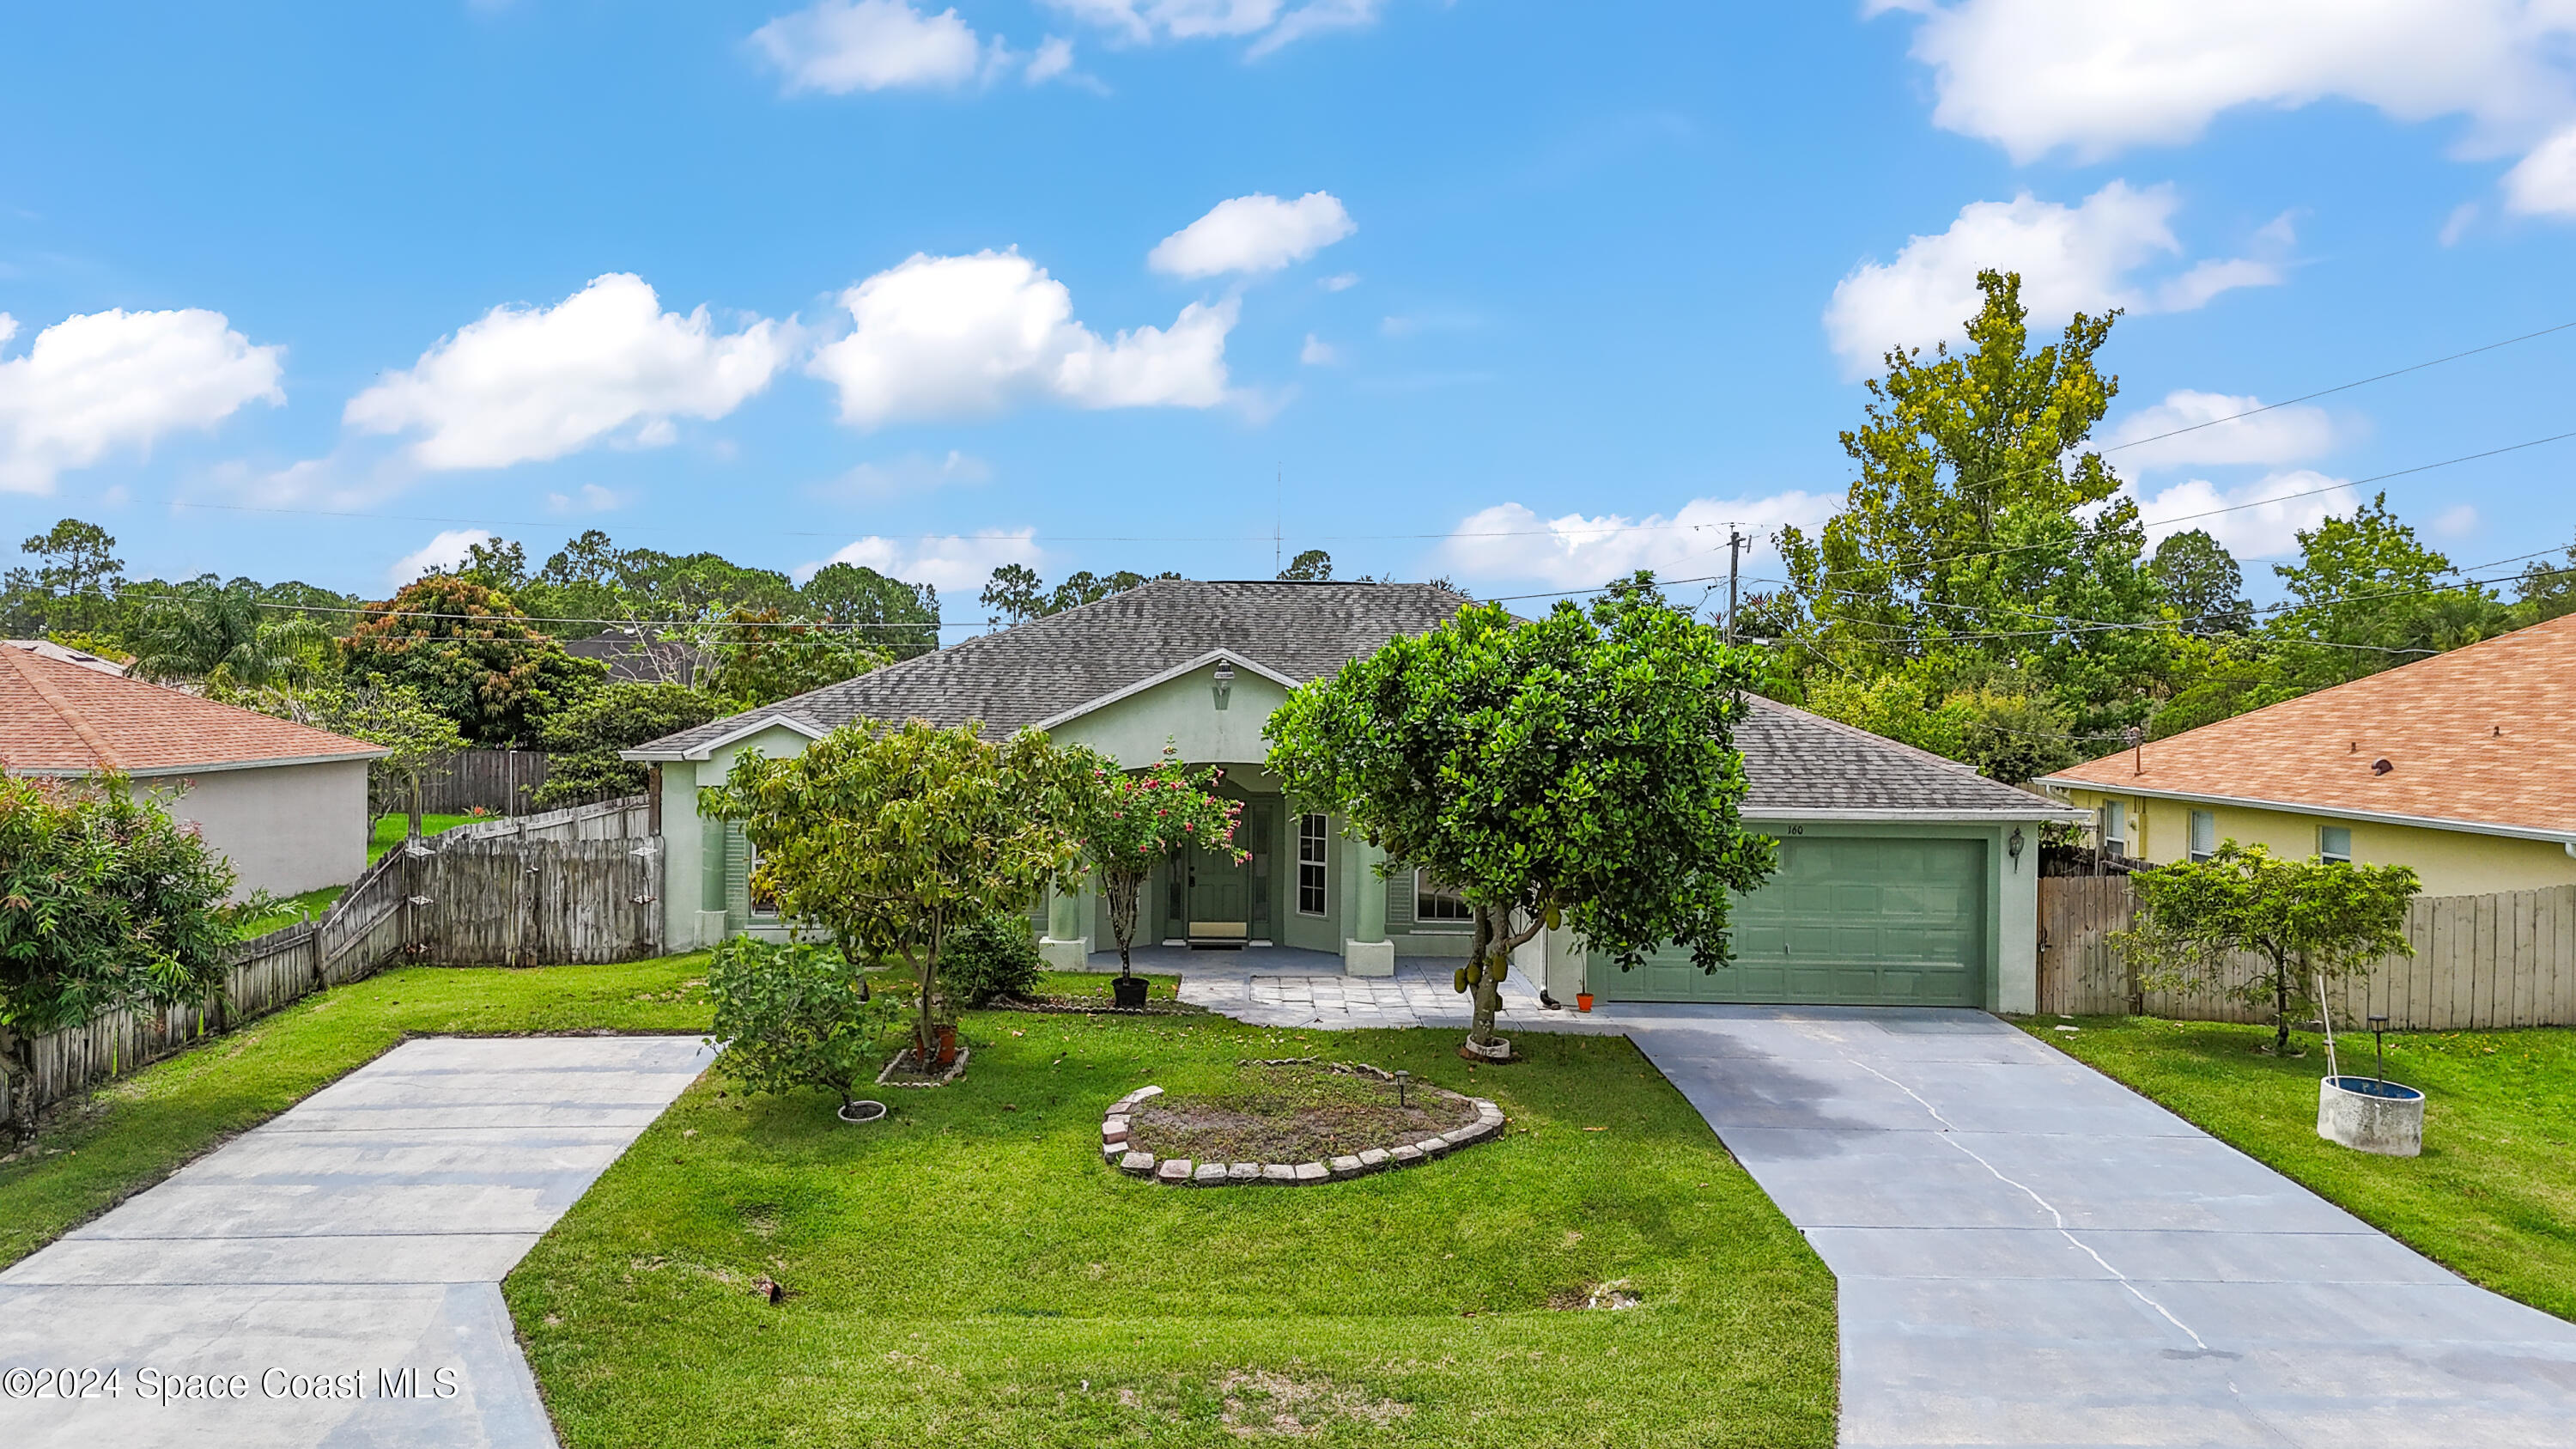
column 1289, row 1123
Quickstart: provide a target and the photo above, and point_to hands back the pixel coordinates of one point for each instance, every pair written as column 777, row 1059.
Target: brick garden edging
column 1181, row 1172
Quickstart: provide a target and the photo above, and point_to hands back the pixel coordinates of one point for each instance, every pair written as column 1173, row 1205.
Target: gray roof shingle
column 1798, row 762
column 1046, row 667
column 1038, row 670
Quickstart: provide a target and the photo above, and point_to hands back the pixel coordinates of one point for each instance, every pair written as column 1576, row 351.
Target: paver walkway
column 360, row 1235
column 2030, row 1254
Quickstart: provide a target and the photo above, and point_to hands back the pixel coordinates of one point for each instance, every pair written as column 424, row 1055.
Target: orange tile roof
column 60, row 718
column 2483, row 736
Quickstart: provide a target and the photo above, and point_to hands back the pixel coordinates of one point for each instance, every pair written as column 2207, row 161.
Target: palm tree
column 225, row 636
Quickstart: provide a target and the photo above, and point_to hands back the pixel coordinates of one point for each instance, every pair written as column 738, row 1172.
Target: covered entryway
column 1847, row 920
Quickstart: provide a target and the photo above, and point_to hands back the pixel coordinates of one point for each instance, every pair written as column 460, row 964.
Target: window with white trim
column 763, row 903
column 1311, row 850
column 1435, row 903
column 2115, row 827
column 2204, row 834
column 2334, row 844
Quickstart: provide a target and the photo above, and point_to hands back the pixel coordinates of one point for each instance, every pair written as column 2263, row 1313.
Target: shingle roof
column 62, row 718
column 1796, row 763
column 1043, row 668
column 2481, row 736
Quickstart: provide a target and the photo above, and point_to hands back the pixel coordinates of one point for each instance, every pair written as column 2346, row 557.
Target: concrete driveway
column 2030, row 1254
column 334, row 1275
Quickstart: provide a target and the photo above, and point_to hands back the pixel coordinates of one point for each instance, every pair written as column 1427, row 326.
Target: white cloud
column 2457, row 224
column 100, row 382
column 2080, row 258
column 2037, row 75
column 446, row 551
column 591, row 498
column 954, row 564
column 525, row 383
column 2267, row 529
column 1273, row 22
column 2457, row 522
column 1256, row 233
column 1054, row 57
column 1509, row 541
column 2290, row 434
column 2544, row 182
column 956, row 336
column 1340, row 282
column 840, row 46
column 908, row 475
column 1317, row 352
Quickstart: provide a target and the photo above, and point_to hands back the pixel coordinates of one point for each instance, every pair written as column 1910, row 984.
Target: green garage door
column 1843, row 922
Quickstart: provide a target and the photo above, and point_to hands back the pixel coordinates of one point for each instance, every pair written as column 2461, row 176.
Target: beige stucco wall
column 285, row 828
column 2449, row 862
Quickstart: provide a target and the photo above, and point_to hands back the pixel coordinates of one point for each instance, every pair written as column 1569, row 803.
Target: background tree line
column 476, row 656
column 1988, row 592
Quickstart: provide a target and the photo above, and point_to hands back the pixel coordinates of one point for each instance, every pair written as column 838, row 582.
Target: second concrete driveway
column 2030, row 1254
column 333, row 1278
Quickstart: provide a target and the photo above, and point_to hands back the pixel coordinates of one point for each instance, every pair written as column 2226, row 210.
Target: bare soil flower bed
column 1301, row 1111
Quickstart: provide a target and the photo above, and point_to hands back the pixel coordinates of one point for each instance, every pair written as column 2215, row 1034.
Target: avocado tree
column 1576, row 769
column 891, row 839
column 2305, row 923
column 1128, row 821
column 105, row 902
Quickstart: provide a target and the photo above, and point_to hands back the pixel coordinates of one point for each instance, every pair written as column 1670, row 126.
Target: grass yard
column 136, row 1131
column 969, row 1272
column 393, row 830
column 2494, row 1195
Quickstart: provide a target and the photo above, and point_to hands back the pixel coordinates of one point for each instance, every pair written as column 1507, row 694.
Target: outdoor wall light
column 1224, row 687
column 2012, row 847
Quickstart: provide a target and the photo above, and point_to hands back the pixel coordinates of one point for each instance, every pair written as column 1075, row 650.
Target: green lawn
column 136, row 1131
column 292, row 910
column 969, row 1272
column 392, row 830
column 2494, row 1195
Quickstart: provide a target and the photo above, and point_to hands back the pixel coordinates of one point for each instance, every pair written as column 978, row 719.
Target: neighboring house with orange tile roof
column 285, row 803
column 2462, row 765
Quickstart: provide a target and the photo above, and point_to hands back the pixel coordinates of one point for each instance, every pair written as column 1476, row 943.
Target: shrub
column 992, row 957
column 794, row 1015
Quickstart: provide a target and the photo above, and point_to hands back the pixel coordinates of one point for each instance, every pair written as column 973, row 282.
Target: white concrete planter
column 2371, row 1115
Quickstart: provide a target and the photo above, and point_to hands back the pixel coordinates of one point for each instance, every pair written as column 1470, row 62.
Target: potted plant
column 1130, row 821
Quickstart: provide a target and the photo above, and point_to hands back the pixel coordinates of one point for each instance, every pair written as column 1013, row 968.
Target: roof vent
column 2381, row 767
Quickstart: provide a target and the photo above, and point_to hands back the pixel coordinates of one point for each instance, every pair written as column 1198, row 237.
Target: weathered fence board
column 628, row 818
column 2480, row 963
column 489, row 902
column 496, row 780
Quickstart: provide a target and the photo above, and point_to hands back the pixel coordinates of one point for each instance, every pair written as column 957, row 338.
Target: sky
column 1525, row 294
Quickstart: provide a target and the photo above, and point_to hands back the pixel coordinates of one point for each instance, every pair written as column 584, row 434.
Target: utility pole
column 1278, row 516
column 1734, row 550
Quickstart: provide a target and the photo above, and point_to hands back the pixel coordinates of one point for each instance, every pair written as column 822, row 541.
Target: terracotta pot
column 946, row 1041
column 1583, row 1001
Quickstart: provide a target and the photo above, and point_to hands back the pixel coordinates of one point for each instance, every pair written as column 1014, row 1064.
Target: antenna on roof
column 1278, row 514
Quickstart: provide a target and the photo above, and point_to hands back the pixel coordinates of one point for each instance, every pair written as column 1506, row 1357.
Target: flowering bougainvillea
column 1133, row 818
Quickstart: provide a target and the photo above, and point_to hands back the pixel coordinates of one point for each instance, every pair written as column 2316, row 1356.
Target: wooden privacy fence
column 2480, row 962
column 496, row 780
column 468, row 902
column 629, row 818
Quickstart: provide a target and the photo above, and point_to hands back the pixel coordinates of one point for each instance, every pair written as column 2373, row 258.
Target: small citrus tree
column 892, row 839
column 1577, row 768
column 793, row 1015
column 1129, row 821
column 2307, row 922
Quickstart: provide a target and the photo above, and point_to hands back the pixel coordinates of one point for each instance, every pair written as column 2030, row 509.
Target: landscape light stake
column 2379, row 1024
column 1400, row 1079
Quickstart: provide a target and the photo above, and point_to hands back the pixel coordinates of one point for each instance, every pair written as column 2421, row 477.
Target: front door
column 1220, row 893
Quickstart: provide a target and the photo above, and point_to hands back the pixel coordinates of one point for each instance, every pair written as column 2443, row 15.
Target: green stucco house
column 1904, row 878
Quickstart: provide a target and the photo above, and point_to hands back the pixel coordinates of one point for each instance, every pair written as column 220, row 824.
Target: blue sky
column 1529, row 294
